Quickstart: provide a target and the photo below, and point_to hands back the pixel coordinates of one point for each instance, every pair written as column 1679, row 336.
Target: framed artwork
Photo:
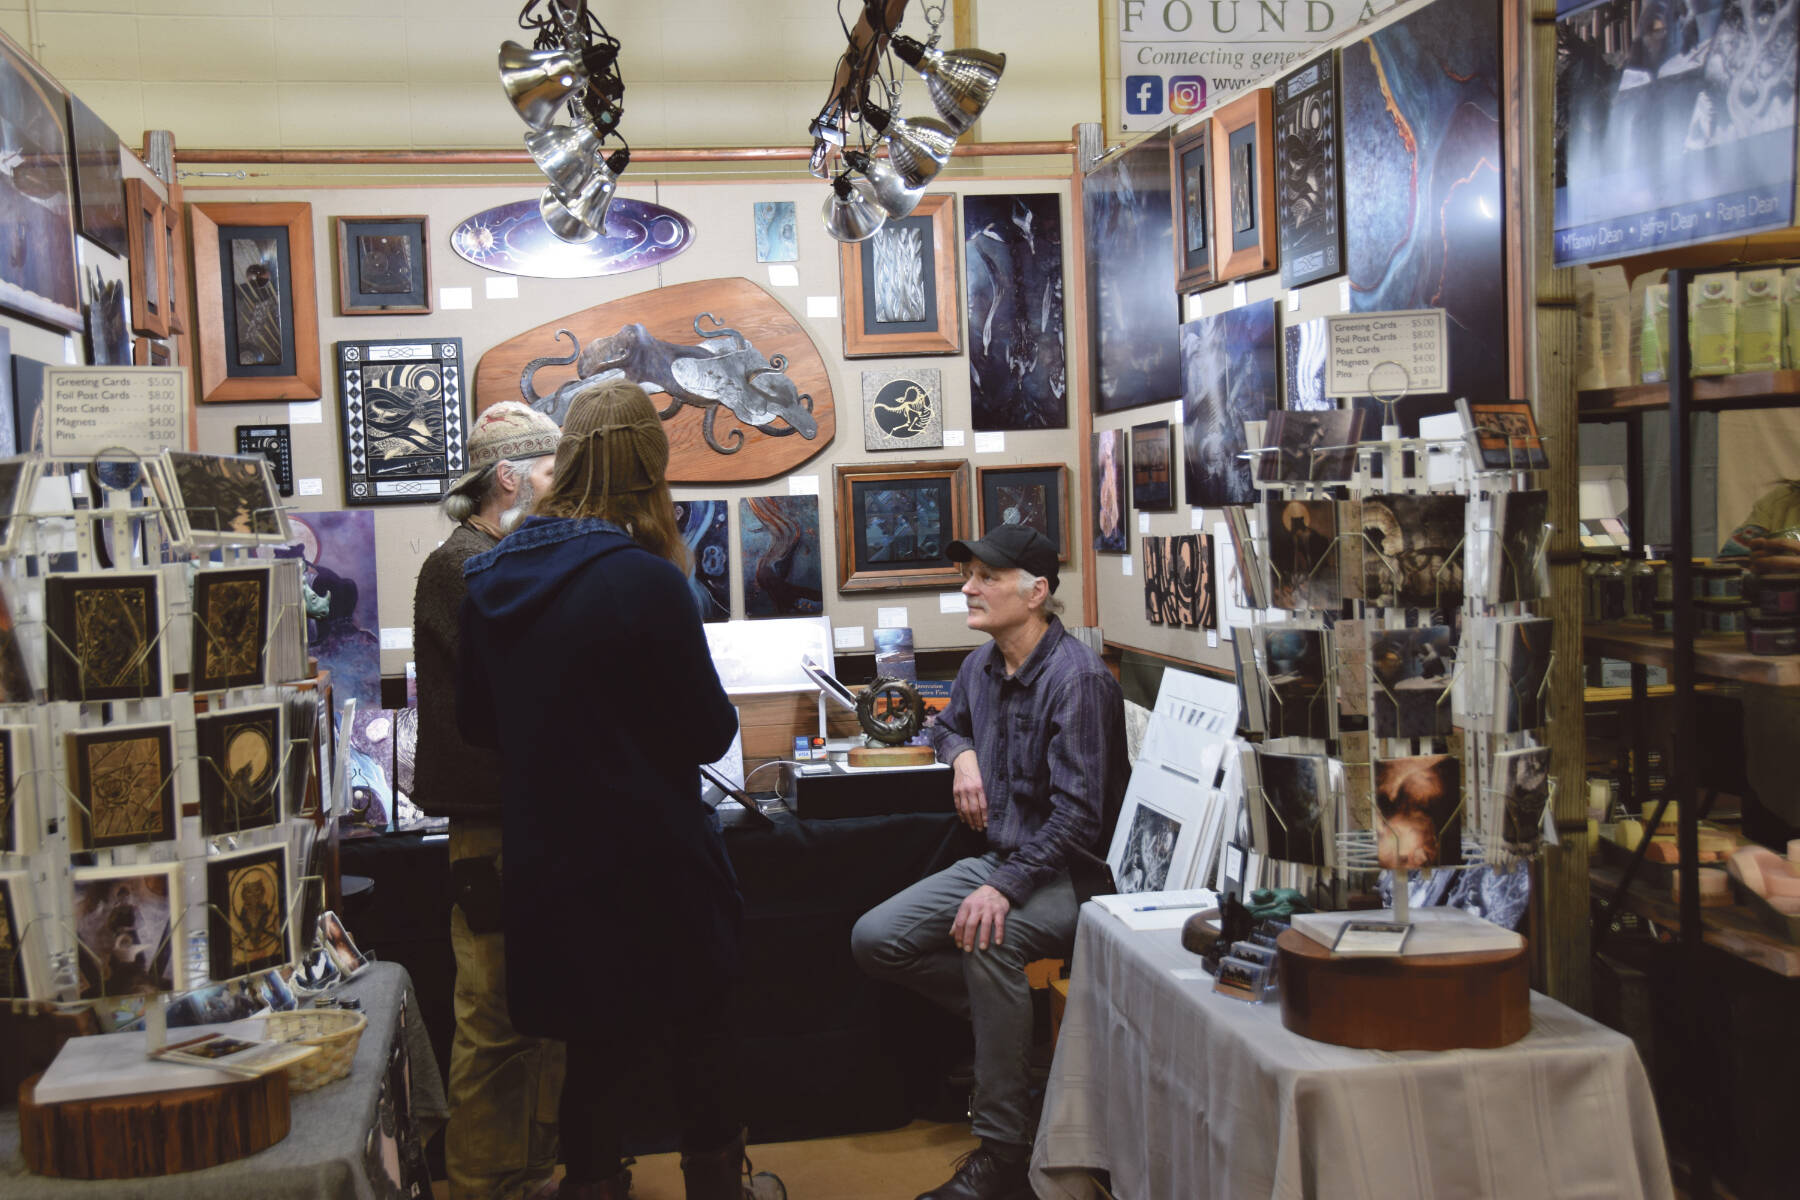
column 18, row 816
column 146, row 353
column 99, row 178
column 902, row 410
column 900, row 286
column 1135, row 319
column 146, row 231
column 175, row 262
column 383, row 265
column 247, row 923
column 706, row 528
column 895, row 523
column 126, row 921
column 1036, row 495
column 1159, row 580
column 122, row 785
column 402, row 419
column 1153, row 467
column 15, row 679
column 1308, row 207
column 37, row 195
column 1228, row 360
column 225, row 498
column 230, row 627
column 104, row 635
column 1112, row 468
column 241, row 753
column 336, row 551
column 22, row 962
column 106, row 299
column 1190, row 181
column 1013, row 258
column 256, row 303
column 1158, row 833
column 777, row 233
column 779, row 552
column 1244, row 186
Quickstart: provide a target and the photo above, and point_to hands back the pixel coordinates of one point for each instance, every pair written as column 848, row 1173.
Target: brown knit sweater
column 451, row 778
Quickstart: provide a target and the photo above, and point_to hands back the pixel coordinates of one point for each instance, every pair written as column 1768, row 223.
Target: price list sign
column 89, row 410
column 1388, row 354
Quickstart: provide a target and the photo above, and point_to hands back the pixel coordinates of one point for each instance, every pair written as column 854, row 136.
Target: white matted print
column 902, row 410
column 1158, row 831
column 129, row 923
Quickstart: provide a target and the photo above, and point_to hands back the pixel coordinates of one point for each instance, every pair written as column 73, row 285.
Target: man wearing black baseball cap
column 1035, row 733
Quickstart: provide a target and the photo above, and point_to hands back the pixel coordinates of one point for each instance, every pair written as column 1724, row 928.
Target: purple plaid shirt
column 1050, row 741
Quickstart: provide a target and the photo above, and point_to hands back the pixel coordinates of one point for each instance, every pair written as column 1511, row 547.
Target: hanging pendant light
column 565, row 154
column 918, row 147
column 849, row 214
column 579, row 215
column 960, row 82
column 539, row 82
column 886, row 188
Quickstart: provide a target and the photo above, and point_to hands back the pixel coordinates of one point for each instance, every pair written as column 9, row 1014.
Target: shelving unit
column 1716, row 655
column 1757, row 389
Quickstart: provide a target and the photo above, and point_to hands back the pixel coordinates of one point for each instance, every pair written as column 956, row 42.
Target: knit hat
column 507, row 430
column 613, row 434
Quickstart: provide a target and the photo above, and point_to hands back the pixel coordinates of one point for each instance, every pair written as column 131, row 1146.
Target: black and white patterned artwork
column 900, row 284
column 1307, row 173
column 902, row 410
column 1012, row 251
column 403, row 419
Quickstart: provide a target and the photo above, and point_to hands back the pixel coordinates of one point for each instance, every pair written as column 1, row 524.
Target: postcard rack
column 159, row 733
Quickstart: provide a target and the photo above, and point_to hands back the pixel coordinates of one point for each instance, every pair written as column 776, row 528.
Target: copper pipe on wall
column 317, row 158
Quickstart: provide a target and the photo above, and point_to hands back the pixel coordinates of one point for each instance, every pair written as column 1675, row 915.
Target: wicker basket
column 335, row 1031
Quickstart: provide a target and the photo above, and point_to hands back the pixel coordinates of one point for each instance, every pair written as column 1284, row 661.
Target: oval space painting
column 513, row 238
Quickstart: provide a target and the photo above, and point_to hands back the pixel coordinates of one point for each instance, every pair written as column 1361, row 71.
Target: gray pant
column 907, row 940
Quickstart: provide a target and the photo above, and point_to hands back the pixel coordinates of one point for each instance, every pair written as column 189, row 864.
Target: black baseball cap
column 1011, row 546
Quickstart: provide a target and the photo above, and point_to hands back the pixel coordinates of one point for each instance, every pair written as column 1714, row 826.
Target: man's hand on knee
column 981, row 916
column 966, row 789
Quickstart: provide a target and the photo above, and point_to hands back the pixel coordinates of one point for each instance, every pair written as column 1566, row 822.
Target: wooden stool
column 152, row 1133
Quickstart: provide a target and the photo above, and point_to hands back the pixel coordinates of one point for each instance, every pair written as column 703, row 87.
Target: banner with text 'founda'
column 1176, row 57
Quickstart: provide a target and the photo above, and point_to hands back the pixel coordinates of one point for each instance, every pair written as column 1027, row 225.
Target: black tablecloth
column 826, row 1051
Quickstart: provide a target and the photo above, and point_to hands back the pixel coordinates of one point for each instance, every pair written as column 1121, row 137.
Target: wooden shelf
column 1720, row 655
column 1775, row 389
column 1734, row 929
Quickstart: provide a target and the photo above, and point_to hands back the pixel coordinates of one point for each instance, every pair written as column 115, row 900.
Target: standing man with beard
column 504, row 1087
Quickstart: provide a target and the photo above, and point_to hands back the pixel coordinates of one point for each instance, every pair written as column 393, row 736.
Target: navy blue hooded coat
column 584, row 661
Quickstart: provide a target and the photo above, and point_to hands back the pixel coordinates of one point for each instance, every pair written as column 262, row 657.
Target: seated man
column 1035, row 733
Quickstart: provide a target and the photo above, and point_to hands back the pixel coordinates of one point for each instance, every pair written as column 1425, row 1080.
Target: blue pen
column 1170, row 907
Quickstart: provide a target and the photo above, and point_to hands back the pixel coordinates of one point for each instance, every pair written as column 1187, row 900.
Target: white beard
column 521, row 508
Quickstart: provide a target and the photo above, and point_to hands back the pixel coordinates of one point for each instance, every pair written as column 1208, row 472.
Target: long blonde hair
column 612, row 463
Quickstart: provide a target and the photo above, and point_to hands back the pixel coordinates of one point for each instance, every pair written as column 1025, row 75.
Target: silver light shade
column 579, row 215
column 850, row 216
column 918, row 148
column 539, row 82
column 561, row 221
column 886, row 188
column 566, row 155
column 960, row 82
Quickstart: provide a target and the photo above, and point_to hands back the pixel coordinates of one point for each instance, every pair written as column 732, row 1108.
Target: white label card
column 821, row 306
column 990, row 442
column 502, row 287
column 784, row 275
column 1240, row 295
column 1143, row 522
column 953, row 437
column 306, row 412
column 1196, row 518
column 1125, row 565
column 396, row 637
column 891, row 618
column 847, row 637
column 456, row 298
column 952, row 602
column 803, row 485
column 1212, row 639
column 91, row 409
column 309, row 486
column 1293, row 300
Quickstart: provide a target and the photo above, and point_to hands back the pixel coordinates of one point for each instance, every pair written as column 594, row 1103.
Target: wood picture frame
column 1244, row 186
column 1010, row 488
column 383, row 265
column 256, row 302
column 1190, row 188
column 895, row 523
column 175, row 266
column 918, row 249
column 145, row 233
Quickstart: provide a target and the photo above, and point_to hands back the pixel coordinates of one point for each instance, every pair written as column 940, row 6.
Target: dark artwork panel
column 902, row 525
column 37, row 197
column 225, row 495
column 1422, row 167
column 1311, row 447
column 900, row 278
column 338, row 577
column 1412, row 670
column 246, row 913
column 1413, row 551
column 1027, row 496
column 1296, row 793
column 231, row 623
column 705, row 527
column 257, row 283
column 1013, row 252
column 1298, row 700
column 1524, row 777
column 779, row 540
column 1419, row 802
column 1191, row 562
column 1130, row 252
column 1303, row 554
column 1152, row 467
column 1023, row 504
column 1228, row 367
column 1674, row 125
column 99, row 178
column 12, row 937
column 108, row 319
column 1307, row 173
column 1521, row 545
column 105, row 636
column 240, row 769
column 122, row 778
column 402, row 419
column 384, row 263
column 1149, row 850
column 1111, row 470
column 1525, row 661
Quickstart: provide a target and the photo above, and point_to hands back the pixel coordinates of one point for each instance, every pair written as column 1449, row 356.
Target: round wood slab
column 152, row 1133
column 668, row 313
column 1426, row 1002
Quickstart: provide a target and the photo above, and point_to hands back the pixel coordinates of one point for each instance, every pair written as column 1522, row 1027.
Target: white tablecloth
column 1182, row 1095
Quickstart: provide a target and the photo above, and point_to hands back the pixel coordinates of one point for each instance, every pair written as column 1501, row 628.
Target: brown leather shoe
column 983, row 1175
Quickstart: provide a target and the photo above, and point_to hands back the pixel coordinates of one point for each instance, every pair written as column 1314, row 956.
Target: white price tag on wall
column 952, row 602
column 847, row 637
column 891, row 618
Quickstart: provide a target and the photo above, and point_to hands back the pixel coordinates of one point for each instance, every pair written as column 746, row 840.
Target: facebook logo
column 1143, row 95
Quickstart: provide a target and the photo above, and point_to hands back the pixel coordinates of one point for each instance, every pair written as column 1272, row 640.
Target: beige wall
column 420, row 73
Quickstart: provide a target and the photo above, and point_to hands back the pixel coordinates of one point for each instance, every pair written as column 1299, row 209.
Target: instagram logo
column 1187, row 94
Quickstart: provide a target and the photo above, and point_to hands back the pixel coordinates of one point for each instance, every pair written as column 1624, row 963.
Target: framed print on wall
column 895, row 523
column 902, row 410
column 1244, row 186
column 899, row 286
column 1152, row 467
column 1308, row 207
column 1112, row 471
column 1036, row 495
column 1190, row 183
column 99, row 178
column 37, row 196
column 383, row 265
column 175, row 263
column 403, row 419
column 146, row 232
column 255, row 299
